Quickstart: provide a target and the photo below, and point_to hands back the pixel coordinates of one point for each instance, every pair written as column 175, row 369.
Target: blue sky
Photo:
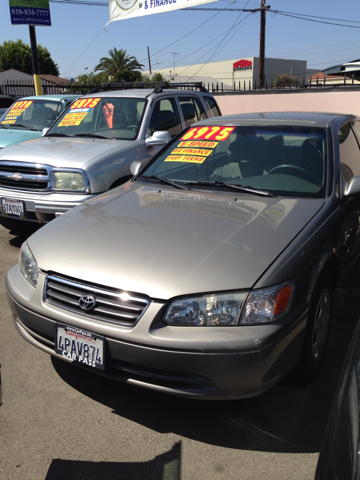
column 77, row 38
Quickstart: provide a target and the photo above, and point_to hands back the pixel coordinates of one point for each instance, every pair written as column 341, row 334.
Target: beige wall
column 311, row 101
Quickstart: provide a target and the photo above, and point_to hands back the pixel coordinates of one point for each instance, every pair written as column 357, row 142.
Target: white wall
column 332, row 101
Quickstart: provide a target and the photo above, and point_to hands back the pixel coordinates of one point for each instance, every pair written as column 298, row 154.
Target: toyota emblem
column 87, row 302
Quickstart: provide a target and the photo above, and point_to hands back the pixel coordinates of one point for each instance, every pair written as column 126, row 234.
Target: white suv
column 90, row 148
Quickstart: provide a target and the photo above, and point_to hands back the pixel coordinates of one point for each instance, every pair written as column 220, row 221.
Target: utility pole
column 262, row 45
column 149, row 59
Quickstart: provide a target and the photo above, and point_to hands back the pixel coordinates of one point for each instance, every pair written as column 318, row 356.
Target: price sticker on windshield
column 16, row 110
column 184, row 158
column 85, row 103
column 208, row 133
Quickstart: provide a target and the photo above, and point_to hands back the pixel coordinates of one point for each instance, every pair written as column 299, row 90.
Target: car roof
column 308, row 119
column 141, row 93
column 55, row 98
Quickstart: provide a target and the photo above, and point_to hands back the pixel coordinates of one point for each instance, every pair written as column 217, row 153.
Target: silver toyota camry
column 211, row 273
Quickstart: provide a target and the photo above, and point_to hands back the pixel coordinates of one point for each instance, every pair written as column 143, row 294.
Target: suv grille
column 24, row 177
column 112, row 306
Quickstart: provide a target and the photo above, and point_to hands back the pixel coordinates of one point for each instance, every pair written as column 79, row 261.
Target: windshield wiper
column 232, row 186
column 25, row 126
column 91, row 135
column 164, row 181
column 56, row 134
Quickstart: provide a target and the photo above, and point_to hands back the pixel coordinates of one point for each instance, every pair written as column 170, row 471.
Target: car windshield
column 277, row 160
column 31, row 114
column 112, row 117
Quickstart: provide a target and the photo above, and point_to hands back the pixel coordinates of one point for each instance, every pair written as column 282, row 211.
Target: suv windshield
column 281, row 160
column 103, row 117
column 31, row 114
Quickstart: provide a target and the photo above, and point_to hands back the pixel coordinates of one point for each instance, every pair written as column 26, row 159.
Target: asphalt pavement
column 58, row 421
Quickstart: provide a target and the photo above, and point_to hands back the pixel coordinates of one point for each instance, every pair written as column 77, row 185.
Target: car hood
column 10, row 136
column 166, row 242
column 61, row 152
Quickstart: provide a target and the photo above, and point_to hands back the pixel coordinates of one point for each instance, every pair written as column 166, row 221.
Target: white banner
column 121, row 9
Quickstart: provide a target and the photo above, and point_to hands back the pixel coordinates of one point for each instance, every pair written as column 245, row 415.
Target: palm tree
column 119, row 66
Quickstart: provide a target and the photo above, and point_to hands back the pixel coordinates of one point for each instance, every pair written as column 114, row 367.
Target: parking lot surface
column 58, row 421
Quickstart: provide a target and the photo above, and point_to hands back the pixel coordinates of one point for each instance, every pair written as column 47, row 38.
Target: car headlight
column 239, row 308
column 213, row 310
column 267, row 305
column 28, row 265
column 69, row 181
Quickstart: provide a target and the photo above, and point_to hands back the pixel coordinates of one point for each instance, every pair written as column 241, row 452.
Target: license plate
column 80, row 346
column 12, row 207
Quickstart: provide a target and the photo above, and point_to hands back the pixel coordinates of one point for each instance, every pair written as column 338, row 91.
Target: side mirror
column 135, row 167
column 44, row 132
column 352, row 187
column 157, row 138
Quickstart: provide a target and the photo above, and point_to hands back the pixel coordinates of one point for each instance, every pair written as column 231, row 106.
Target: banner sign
column 121, row 9
column 30, row 12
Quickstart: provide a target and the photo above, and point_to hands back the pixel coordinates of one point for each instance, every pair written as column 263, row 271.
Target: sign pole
column 35, row 61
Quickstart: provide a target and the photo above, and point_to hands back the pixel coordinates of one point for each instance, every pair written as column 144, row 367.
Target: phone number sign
column 30, row 12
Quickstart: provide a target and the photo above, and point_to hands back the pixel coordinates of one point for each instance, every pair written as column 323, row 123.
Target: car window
column 349, row 152
column 165, row 117
column 192, row 110
column 111, row 117
column 36, row 114
column 284, row 160
column 214, row 109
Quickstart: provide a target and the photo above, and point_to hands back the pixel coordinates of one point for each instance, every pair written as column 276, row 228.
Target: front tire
column 317, row 329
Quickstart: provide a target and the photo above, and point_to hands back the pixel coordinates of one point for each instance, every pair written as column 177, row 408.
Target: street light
column 174, row 53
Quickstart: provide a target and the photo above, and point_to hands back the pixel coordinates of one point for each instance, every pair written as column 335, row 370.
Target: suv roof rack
column 158, row 86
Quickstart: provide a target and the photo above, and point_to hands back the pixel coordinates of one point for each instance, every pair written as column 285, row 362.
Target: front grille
column 114, row 306
column 24, row 176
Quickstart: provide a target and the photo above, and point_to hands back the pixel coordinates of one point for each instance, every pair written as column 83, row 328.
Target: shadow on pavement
column 163, row 467
column 291, row 418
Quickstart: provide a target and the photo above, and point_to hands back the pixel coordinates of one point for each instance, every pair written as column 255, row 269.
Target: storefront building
column 243, row 72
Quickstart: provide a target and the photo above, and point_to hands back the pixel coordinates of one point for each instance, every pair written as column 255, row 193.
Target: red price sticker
column 208, row 133
column 85, row 103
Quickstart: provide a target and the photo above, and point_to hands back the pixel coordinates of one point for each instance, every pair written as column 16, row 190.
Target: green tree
column 285, row 80
column 120, row 66
column 18, row 55
column 157, row 77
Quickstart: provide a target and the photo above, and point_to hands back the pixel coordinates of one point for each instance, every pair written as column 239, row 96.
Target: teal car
column 27, row 117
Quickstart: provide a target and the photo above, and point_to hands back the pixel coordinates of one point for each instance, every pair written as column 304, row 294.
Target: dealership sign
column 120, row 9
column 242, row 65
column 30, row 12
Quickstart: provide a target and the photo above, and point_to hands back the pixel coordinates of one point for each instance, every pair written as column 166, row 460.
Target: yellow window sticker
column 72, row 119
column 192, row 151
column 198, row 144
column 16, row 110
column 184, row 158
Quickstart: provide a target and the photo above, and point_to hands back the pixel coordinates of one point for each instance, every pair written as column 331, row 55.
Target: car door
column 164, row 118
column 349, row 162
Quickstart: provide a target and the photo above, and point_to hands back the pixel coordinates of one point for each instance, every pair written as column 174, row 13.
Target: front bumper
column 216, row 363
column 41, row 208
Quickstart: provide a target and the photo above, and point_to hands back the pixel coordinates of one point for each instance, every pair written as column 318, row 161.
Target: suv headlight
column 74, row 181
column 28, row 265
column 229, row 309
